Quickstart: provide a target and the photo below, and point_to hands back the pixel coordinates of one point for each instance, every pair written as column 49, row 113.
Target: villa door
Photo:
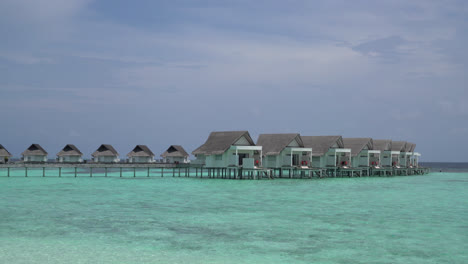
column 241, row 157
column 295, row 159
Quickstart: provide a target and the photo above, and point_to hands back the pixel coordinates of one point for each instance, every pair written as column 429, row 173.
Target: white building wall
column 36, row 158
column 107, row 159
column 70, row 159
column 175, row 159
column 141, row 159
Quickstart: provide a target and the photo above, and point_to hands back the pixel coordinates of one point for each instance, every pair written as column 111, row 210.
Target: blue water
column 413, row 219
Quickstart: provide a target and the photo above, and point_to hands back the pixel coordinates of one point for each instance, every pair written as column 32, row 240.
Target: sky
column 169, row 72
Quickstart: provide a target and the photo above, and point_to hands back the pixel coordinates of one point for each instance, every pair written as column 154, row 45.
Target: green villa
column 400, row 147
column 284, row 151
column 4, row 154
column 387, row 156
column 363, row 153
column 225, row 149
column 327, row 151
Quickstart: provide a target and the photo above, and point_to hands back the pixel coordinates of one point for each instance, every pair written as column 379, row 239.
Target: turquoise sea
column 411, row 219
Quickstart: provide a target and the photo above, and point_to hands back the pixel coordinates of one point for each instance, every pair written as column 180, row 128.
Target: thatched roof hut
column 105, row 150
column 34, row 150
column 4, row 152
column 175, row 151
column 69, row 150
column 140, row 151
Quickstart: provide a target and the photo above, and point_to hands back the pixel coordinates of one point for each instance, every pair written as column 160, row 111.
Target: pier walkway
column 192, row 170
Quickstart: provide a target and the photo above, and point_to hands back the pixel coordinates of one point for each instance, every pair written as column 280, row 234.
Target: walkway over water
column 191, row 170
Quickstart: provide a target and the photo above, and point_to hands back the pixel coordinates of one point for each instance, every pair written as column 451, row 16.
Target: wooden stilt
column 60, row 171
column 120, row 172
column 105, row 173
column 75, row 171
column 162, row 172
column 26, row 171
column 148, row 171
column 43, row 171
column 134, row 172
column 8, row 172
column 91, row 172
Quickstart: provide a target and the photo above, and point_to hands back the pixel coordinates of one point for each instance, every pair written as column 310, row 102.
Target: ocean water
column 411, row 219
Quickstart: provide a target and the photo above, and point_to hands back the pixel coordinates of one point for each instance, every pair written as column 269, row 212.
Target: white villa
column 141, row 154
column 284, row 150
column 106, row 153
column 4, row 154
column 35, row 153
column 70, row 153
column 362, row 152
column 175, row 154
column 228, row 149
column 327, row 151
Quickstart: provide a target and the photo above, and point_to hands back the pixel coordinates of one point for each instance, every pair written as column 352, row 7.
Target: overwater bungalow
column 284, row 150
column 228, row 149
column 35, row 153
column 399, row 146
column 4, row 154
column 70, row 153
column 106, row 153
column 386, row 153
column 362, row 152
column 327, row 151
column 175, row 154
column 141, row 154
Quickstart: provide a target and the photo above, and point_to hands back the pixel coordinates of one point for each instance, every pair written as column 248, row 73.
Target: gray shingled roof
column 321, row 144
column 219, row 142
column 175, row 151
column 399, row 146
column 382, row 144
column 140, row 151
column 34, row 150
column 410, row 147
column 273, row 144
column 69, row 150
column 105, row 150
column 4, row 152
column 357, row 144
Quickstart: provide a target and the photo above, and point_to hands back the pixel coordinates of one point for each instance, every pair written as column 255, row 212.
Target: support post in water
column 120, row 172
column 60, row 171
column 91, row 172
column 134, row 172
column 43, row 171
column 8, row 172
column 26, row 171
column 106, row 171
column 75, row 171
column 148, row 171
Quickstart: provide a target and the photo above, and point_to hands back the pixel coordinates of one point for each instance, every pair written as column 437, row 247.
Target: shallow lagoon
column 413, row 219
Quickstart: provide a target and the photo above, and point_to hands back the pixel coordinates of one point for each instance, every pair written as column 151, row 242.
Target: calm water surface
column 415, row 219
